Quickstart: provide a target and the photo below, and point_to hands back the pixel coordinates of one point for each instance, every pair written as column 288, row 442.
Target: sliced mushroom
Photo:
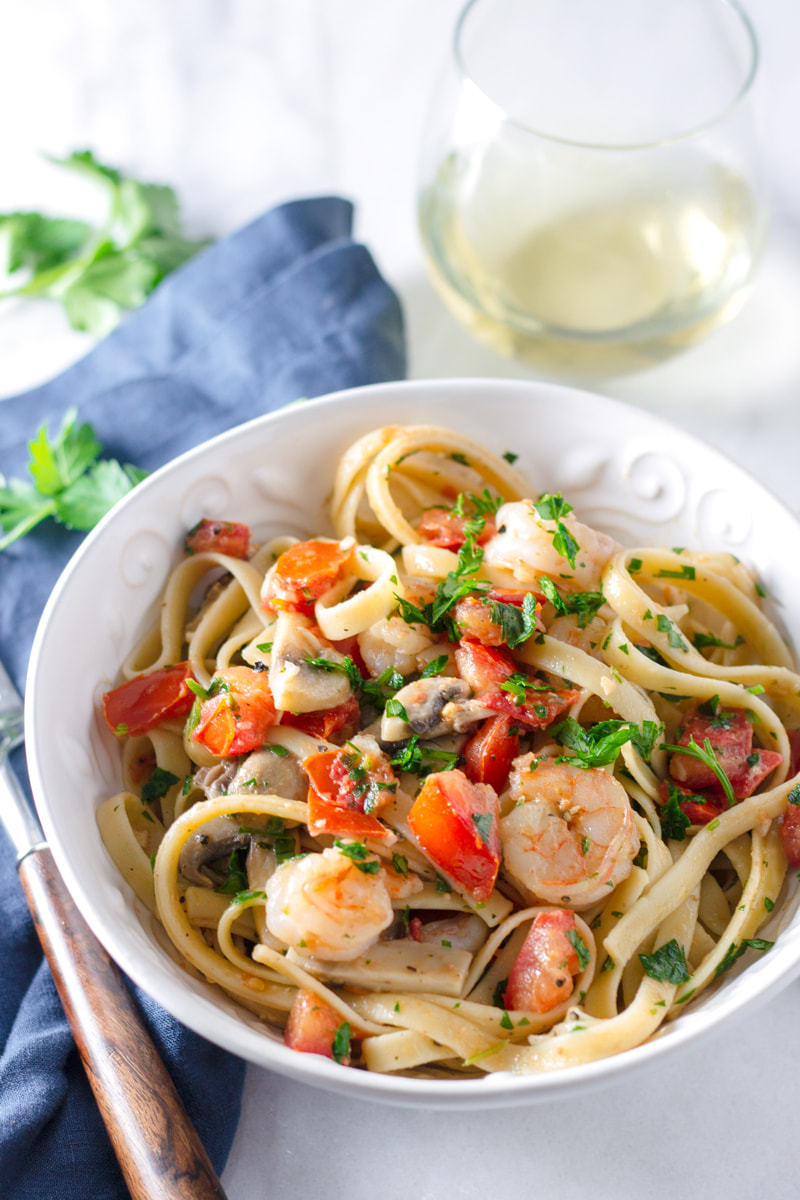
column 434, row 707
column 217, row 839
column 461, row 931
column 266, row 772
column 215, row 781
column 297, row 686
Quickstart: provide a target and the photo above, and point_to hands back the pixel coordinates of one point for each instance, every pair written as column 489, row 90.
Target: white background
column 244, row 103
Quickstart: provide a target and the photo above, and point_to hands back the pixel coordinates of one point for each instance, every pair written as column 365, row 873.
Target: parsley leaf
column 158, row 785
column 667, row 964
column 553, row 508
column 674, row 821
column 581, row 949
column 517, row 624
column 69, row 484
column 483, row 824
column 423, row 760
column 359, row 855
column 599, row 745
column 584, row 605
column 675, row 639
column 734, row 952
column 97, row 273
column 340, row 1048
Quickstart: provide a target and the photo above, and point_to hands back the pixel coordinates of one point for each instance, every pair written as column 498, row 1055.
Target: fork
column 157, row 1146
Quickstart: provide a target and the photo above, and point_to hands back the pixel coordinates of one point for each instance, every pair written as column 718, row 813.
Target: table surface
column 241, row 105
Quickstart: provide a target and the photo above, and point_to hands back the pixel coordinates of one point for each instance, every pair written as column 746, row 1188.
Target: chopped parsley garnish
column 457, row 584
column 734, row 952
column 394, row 708
column 517, row 624
column 400, row 864
column 686, row 572
column 423, row 760
column 359, row 855
column 675, row 639
column 506, row 1022
column 667, row 964
column 340, row 1049
column 435, row 667
column 584, row 605
column 703, row 641
column 236, row 880
column 347, row 667
column 674, row 821
column 158, row 785
column 599, row 745
column 553, row 508
column 246, row 896
column 483, row 824
column 510, row 458
column 580, row 947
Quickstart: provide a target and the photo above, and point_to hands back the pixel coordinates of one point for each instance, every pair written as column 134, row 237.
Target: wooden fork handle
column 156, row 1144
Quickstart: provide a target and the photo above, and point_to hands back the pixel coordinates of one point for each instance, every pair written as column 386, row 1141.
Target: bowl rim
column 497, row 1089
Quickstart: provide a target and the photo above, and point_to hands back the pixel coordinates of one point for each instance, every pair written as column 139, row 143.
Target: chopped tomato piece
column 731, row 737
column 333, row 805
column 456, row 824
column 142, row 703
column 475, row 616
column 699, row 808
column 415, row 929
column 312, row 1026
column 302, row 574
column 483, row 667
column 489, row 752
column 790, row 834
column 441, row 527
column 543, row 975
column 236, row 717
column 218, row 537
column 757, row 766
column 539, row 708
column 332, row 724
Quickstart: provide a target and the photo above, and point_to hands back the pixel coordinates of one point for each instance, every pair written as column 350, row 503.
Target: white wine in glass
column 610, row 241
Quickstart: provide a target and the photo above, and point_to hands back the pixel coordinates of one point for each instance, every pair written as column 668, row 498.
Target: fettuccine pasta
column 464, row 787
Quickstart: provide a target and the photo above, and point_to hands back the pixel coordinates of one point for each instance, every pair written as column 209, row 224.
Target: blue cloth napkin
column 289, row 307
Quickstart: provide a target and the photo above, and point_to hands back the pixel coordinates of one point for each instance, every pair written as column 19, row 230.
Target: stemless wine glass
column 591, row 197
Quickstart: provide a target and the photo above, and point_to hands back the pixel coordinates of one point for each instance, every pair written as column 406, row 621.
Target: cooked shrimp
column 390, row 642
column 522, row 550
column 571, row 837
column 324, row 905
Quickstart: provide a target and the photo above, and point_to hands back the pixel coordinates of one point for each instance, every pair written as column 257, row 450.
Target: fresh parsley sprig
column 70, row 482
column 96, row 273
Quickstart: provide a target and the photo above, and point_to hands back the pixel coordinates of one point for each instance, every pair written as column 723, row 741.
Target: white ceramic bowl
column 624, row 470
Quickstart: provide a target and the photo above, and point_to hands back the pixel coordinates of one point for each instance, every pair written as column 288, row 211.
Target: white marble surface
column 243, row 103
